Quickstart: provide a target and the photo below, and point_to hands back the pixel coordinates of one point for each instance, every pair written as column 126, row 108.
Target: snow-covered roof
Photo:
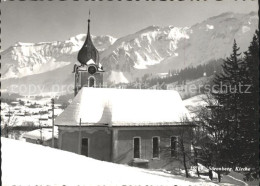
column 44, row 134
column 124, row 107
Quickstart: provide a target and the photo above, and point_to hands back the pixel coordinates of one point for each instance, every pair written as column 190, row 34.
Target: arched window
column 91, row 82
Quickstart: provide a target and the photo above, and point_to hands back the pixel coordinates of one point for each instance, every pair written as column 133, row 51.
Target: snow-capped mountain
column 25, row 59
column 151, row 50
column 141, row 50
column 144, row 48
column 213, row 39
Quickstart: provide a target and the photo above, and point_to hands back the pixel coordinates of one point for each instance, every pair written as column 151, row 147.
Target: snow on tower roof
column 124, row 107
column 90, row 62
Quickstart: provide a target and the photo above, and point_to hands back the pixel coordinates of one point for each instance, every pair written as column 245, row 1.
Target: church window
column 174, row 146
column 155, row 147
column 137, row 147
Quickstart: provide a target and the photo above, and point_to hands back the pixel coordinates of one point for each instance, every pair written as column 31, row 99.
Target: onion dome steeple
column 88, row 50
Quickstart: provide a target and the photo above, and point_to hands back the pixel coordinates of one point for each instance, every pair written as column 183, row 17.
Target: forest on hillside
column 177, row 76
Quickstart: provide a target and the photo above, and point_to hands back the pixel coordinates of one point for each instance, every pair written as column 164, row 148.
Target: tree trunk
column 198, row 173
column 6, row 130
column 210, row 175
column 219, row 177
column 196, row 161
column 184, row 159
column 185, row 166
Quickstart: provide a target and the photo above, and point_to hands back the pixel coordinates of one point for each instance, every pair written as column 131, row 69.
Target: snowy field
column 195, row 103
column 29, row 164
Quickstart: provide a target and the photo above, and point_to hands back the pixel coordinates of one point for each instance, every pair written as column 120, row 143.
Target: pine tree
column 250, row 109
column 228, row 97
column 210, row 136
column 236, row 91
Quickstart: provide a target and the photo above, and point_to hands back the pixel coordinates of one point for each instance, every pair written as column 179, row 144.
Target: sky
column 43, row 21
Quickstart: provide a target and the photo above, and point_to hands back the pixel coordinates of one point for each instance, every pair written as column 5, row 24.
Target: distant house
column 163, row 75
column 14, row 103
column 42, row 136
column 127, row 126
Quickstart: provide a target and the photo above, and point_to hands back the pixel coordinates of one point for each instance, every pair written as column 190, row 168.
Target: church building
column 127, row 126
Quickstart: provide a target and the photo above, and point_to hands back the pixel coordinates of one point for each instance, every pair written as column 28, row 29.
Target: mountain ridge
column 153, row 49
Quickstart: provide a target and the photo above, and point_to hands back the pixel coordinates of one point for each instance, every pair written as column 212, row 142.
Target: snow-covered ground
column 29, row 164
column 117, row 77
column 195, row 101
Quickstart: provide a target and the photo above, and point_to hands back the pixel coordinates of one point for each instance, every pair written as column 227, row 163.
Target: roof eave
column 128, row 125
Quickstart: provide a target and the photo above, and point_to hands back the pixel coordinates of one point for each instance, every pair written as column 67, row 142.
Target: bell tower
column 90, row 72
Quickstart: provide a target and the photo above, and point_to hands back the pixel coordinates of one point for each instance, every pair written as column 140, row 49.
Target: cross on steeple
column 88, row 16
column 88, row 19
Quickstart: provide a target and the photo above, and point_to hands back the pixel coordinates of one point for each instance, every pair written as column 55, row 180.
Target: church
column 126, row 126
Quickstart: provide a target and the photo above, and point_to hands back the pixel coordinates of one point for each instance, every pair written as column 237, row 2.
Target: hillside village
column 25, row 114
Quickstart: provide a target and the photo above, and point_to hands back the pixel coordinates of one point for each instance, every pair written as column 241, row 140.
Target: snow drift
column 29, row 164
